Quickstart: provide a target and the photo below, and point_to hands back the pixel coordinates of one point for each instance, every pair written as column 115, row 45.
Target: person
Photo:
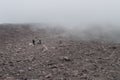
column 39, row 42
column 33, row 41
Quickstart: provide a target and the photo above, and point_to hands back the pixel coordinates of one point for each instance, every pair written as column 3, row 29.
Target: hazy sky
column 73, row 12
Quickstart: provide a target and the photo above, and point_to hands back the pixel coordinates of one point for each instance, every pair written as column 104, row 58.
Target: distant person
column 33, row 41
column 39, row 42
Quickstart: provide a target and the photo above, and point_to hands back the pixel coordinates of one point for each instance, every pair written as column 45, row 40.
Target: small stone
column 75, row 72
column 11, row 63
column 85, row 71
column 53, row 47
column 48, row 76
column 29, row 68
column 25, row 79
column 30, row 44
column 30, row 58
column 65, row 58
column 21, row 71
column 113, row 47
column 9, row 78
column 92, row 67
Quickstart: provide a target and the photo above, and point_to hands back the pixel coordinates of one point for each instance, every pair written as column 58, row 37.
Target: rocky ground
column 57, row 58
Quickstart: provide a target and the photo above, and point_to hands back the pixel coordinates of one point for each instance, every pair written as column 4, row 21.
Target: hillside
column 58, row 57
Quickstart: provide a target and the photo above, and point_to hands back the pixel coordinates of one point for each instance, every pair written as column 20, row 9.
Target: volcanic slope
column 58, row 57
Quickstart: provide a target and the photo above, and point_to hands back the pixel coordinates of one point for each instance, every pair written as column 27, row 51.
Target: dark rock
column 65, row 58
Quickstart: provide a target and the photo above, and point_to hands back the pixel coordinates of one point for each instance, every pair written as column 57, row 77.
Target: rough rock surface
column 57, row 58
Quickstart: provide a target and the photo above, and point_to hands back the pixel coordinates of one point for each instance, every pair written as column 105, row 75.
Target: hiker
column 33, row 41
column 39, row 42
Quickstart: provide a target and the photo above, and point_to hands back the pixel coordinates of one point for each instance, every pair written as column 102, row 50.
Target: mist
column 78, row 17
column 64, row 12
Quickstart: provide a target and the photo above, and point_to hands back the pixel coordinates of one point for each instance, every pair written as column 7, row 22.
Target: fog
column 63, row 12
column 80, row 17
